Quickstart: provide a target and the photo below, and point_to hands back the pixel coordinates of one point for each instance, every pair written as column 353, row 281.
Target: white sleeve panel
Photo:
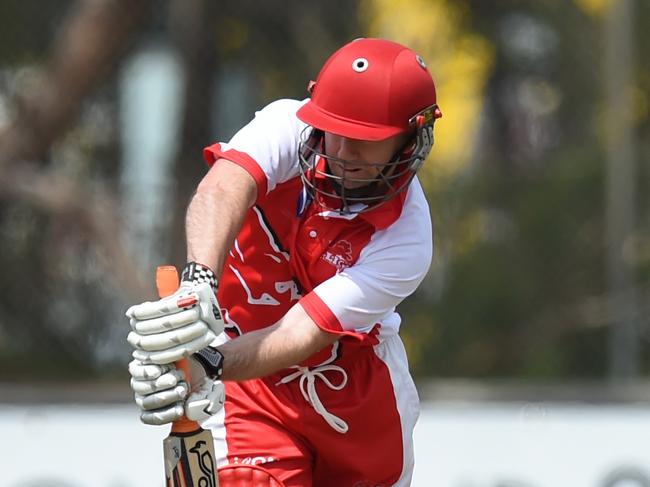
column 389, row 269
column 272, row 139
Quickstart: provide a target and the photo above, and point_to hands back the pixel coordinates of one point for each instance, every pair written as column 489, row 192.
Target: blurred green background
column 538, row 183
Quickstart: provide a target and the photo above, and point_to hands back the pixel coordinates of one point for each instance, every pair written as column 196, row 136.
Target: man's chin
column 350, row 186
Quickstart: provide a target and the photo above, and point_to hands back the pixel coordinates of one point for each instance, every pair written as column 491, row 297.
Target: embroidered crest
column 339, row 255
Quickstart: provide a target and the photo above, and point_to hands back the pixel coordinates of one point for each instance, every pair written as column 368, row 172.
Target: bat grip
column 167, row 283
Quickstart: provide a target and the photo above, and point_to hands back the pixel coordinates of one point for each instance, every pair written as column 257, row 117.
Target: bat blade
column 189, row 449
column 189, row 459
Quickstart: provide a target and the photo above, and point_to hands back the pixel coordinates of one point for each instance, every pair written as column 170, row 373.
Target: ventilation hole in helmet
column 360, row 64
column 420, row 61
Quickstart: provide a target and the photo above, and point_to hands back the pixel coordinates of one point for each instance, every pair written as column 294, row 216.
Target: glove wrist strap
column 212, row 361
column 197, row 273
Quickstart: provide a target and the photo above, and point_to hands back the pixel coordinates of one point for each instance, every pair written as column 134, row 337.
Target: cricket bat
column 189, row 449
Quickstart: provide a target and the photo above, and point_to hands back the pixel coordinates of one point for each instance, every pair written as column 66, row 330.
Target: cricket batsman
column 308, row 230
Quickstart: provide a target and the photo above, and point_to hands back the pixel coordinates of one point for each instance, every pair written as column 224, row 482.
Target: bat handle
column 167, row 282
column 185, row 425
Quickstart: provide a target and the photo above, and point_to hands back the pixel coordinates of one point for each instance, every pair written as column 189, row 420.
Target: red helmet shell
column 368, row 90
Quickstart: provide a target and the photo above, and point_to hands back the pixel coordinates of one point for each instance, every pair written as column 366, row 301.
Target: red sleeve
column 320, row 313
column 215, row 152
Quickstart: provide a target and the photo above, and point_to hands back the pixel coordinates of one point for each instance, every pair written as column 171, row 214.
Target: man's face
column 361, row 161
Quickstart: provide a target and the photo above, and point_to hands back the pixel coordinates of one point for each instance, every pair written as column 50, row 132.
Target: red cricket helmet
column 370, row 89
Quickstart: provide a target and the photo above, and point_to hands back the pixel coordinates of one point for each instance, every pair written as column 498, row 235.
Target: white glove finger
column 205, row 402
column 140, row 371
column 174, row 354
column 178, row 301
column 163, row 416
column 166, row 381
column 163, row 341
column 165, row 323
column 153, row 309
column 162, row 399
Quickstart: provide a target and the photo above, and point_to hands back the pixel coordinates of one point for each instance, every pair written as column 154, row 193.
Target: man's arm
column 216, row 213
column 214, row 218
column 262, row 352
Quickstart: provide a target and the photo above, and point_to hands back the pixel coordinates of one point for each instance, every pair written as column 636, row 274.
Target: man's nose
column 349, row 150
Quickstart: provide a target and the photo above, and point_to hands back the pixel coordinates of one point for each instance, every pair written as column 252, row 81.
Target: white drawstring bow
column 309, row 391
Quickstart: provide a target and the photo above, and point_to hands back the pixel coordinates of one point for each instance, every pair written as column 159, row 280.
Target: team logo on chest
column 339, row 255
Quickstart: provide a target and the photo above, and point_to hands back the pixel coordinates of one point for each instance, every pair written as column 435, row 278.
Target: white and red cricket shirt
column 349, row 272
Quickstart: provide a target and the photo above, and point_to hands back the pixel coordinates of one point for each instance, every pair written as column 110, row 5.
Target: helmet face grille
column 393, row 177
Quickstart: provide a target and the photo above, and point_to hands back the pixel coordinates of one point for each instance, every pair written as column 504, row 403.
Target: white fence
column 457, row 445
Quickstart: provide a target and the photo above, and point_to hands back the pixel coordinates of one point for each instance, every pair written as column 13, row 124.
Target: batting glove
column 179, row 325
column 161, row 393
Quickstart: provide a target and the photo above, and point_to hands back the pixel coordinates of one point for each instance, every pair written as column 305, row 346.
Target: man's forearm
column 217, row 212
column 262, row 352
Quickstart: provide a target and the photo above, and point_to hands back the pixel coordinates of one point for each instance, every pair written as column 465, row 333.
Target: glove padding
column 175, row 327
column 161, row 391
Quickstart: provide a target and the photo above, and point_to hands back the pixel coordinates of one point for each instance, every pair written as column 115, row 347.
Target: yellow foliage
column 418, row 337
column 231, row 35
column 471, row 231
column 459, row 61
column 638, row 110
column 640, row 104
column 595, row 8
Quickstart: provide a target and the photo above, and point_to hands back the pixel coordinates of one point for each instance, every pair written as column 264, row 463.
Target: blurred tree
column 59, row 149
column 276, row 46
column 58, row 231
column 192, row 30
column 518, row 284
column 21, row 45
